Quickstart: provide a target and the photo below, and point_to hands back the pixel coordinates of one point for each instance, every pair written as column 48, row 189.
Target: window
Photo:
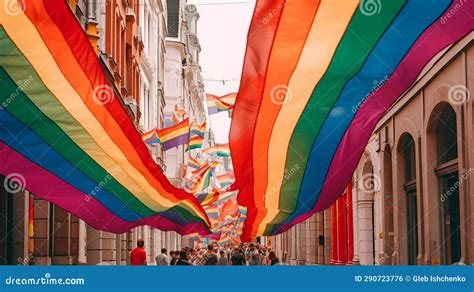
column 173, row 17
column 447, row 136
column 447, row 171
column 408, row 156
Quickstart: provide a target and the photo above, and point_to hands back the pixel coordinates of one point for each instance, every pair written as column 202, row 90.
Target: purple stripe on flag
column 180, row 140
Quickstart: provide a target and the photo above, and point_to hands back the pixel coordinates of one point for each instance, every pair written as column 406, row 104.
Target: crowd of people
column 252, row 254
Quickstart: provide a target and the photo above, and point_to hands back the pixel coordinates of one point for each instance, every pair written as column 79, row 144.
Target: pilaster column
column 350, row 226
column 334, row 234
column 341, row 231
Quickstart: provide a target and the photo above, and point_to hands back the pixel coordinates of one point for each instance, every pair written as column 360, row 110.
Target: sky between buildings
column 222, row 32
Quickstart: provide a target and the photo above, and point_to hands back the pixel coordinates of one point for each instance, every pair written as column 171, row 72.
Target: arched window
column 446, row 136
column 443, row 126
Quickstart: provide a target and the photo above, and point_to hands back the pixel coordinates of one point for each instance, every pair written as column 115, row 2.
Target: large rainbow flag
column 63, row 129
column 302, row 119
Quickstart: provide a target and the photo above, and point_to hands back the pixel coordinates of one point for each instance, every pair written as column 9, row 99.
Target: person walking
column 223, row 261
column 138, row 254
column 237, row 258
column 174, row 257
column 183, row 259
column 162, row 258
column 274, row 260
column 253, row 256
column 210, row 258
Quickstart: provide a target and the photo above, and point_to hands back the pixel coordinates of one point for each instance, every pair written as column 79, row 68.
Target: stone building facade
column 133, row 42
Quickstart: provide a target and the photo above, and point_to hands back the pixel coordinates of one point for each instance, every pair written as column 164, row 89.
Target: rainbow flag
column 178, row 114
column 201, row 178
column 211, row 103
column 202, row 196
column 194, row 163
column 175, row 135
column 216, row 104
column 209, row 199
column 168, row 120
column 212, row 211
column 226, row 102
column 195, row 143
column 196, row 136
column 220, row 150
column 224, row 239
column 226, row 179
column 198, row 130
column 304, row 117
column 151, row 137
column 223, row 197
column 56, row 97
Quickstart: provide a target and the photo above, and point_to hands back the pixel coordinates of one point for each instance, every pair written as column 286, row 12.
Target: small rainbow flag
column 168, row 120
column 222, row 197
column 216, row 104
column 174, row 136
column 220, row 150
column 211, row 211
column 151, row 137
column 198, row 130
column 196, row 136
column 209, row 199
column 201, row 178
column 194, row 163
column 178, row 114
column 226, row 179
column 195, row 142
column 226, row 102
column 211, row 103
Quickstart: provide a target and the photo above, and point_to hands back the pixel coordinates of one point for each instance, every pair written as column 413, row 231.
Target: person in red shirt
column 138, row 255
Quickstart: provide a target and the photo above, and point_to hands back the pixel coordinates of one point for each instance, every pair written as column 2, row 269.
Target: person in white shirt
column 162, row 258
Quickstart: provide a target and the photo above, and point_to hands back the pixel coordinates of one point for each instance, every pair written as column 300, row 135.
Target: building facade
column 415, row 180
column 184, row 87
column 134, row 43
